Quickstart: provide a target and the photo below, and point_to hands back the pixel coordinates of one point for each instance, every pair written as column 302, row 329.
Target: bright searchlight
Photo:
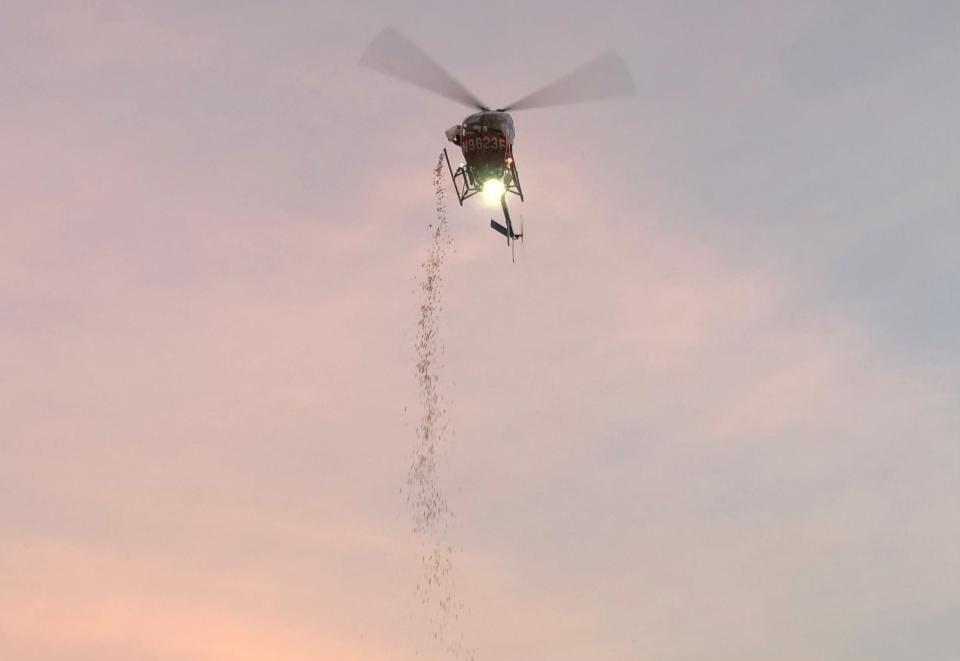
column 493, row 190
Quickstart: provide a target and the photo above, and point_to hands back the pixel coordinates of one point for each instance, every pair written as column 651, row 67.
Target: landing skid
column 466, row 187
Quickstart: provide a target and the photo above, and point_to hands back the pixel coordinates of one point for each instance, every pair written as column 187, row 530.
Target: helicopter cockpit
column 490, row 120
column 483, row 122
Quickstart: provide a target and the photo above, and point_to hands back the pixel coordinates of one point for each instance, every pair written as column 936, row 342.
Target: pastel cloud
column 671, row 442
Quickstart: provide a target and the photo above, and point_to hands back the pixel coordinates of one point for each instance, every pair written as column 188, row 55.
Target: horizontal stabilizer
column 500, row 228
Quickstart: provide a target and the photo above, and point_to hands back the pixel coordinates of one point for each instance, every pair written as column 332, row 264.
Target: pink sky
column 710, row 413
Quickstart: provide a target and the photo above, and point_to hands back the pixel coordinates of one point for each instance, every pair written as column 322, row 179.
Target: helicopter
column 487, row 136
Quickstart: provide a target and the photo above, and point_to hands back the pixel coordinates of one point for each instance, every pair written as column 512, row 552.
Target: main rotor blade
column 395, row 55
column 605, row 77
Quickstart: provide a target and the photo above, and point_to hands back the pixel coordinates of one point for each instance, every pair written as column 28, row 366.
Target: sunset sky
column 711, row 413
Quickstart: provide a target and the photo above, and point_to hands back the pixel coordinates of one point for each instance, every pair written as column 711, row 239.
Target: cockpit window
column 498, row 121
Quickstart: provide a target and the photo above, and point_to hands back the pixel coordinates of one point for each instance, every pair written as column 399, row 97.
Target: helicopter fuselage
column 486, row 140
